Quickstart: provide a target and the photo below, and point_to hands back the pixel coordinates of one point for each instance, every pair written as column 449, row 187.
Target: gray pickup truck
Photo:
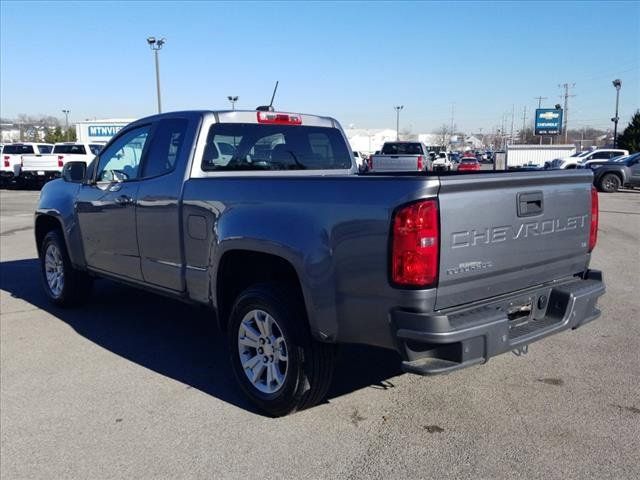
column 262, row 217
column 401, row 157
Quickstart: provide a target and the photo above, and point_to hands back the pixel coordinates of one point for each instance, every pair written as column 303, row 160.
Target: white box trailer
column 100, row 131
column 525, row 155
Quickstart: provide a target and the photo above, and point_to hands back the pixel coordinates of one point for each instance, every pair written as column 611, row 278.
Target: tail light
column 279, row 118
column 420, row 163
column 415, row 245
column 60, row 160
column 593, row 231
column 6, row 160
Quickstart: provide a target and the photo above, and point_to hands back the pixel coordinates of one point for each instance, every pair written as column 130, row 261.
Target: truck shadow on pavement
column 177, row 340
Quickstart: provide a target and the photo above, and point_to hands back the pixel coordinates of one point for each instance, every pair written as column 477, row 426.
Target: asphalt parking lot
column 138, row 386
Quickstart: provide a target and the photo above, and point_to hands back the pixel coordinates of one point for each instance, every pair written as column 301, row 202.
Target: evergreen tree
column 630, row 138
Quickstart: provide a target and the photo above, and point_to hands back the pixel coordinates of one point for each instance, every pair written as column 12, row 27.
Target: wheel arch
column 238, row 269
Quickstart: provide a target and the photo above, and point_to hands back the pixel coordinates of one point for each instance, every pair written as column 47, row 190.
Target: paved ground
column 137, row 386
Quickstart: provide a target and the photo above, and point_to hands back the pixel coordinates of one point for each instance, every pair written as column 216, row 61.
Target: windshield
column 402, row 149
column 70, row 149
column 469, row 160
column 17, row 149
column 245, row 146
column 581, row 154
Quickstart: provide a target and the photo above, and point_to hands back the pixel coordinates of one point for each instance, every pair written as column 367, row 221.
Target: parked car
column 42, row 168
column 12, row 154
column 609, row 177
column 295, row 253
column 442, row 162
column 401, row 157
column 469, row 164
column 584, row 158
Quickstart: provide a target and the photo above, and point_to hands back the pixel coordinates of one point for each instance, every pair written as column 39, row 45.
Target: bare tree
column 444, row 135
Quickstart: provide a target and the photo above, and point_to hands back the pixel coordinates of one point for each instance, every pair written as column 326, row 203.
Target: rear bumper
column 35, row 175
column 440, row 343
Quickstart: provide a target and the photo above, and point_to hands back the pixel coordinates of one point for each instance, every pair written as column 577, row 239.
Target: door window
column 121, row 160
column 165, row 148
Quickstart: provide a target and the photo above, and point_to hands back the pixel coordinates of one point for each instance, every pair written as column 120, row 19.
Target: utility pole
column 540, row 100
column 66, row 123
column 453, row 125
column 524, row 122
column 565, row 113
column 540, row 106
column 398, row 108
column 513, row 114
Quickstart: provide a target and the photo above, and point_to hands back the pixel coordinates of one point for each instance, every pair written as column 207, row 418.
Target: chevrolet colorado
column 295, row 252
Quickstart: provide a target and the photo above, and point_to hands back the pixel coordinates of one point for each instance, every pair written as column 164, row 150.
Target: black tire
column 609, row 183
column 76, row 285
column 310, row 362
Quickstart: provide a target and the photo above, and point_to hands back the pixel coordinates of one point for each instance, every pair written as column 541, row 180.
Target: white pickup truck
column 442, row 162
column 41, row 168
column 12, row 155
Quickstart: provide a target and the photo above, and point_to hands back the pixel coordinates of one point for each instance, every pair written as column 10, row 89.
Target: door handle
column 124, row 200
column 530, row 204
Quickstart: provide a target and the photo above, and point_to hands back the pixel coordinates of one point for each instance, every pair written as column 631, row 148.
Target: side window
column 121, row 161
column 165, row 147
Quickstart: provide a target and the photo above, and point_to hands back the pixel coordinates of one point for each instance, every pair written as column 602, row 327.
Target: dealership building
column 100, row 131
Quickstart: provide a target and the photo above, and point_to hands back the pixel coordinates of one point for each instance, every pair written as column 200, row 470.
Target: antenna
column 269, row 108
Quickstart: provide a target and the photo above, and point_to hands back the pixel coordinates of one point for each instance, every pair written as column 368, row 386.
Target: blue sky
column 351, row 60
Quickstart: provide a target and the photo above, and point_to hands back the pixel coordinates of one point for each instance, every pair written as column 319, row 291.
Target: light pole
column 156, row 45
column 233, row 101
column 617, row 83
column 398, row 108
column 66, row 124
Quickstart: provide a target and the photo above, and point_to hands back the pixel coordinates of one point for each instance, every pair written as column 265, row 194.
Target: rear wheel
column 609, row 182
column 275, row 360
column 63, row 284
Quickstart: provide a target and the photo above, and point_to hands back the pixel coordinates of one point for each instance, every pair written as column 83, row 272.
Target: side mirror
column 74, row 172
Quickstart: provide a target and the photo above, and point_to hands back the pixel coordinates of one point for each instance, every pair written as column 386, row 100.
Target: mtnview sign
column 100, row 131
column 104, row 130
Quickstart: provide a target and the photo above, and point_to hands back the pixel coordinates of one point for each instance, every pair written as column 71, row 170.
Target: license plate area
column 40, row 172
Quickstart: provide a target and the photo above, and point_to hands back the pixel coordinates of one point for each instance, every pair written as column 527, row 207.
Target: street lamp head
column 161, row 42
column 617, row 83
column 151, row 40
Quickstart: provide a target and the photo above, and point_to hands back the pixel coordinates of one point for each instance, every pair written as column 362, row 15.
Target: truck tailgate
column 508, row 231
column 394, row 163
column 46, row 161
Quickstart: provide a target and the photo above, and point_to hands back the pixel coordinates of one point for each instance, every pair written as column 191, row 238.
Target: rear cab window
column 403, row 148
column 18, row 150
column 70, row 149
column 247, row 146
column 45, row 148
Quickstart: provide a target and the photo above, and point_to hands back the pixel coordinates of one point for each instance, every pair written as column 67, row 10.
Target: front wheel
column 609, row 183
column 63, row 284
column 275, row 360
